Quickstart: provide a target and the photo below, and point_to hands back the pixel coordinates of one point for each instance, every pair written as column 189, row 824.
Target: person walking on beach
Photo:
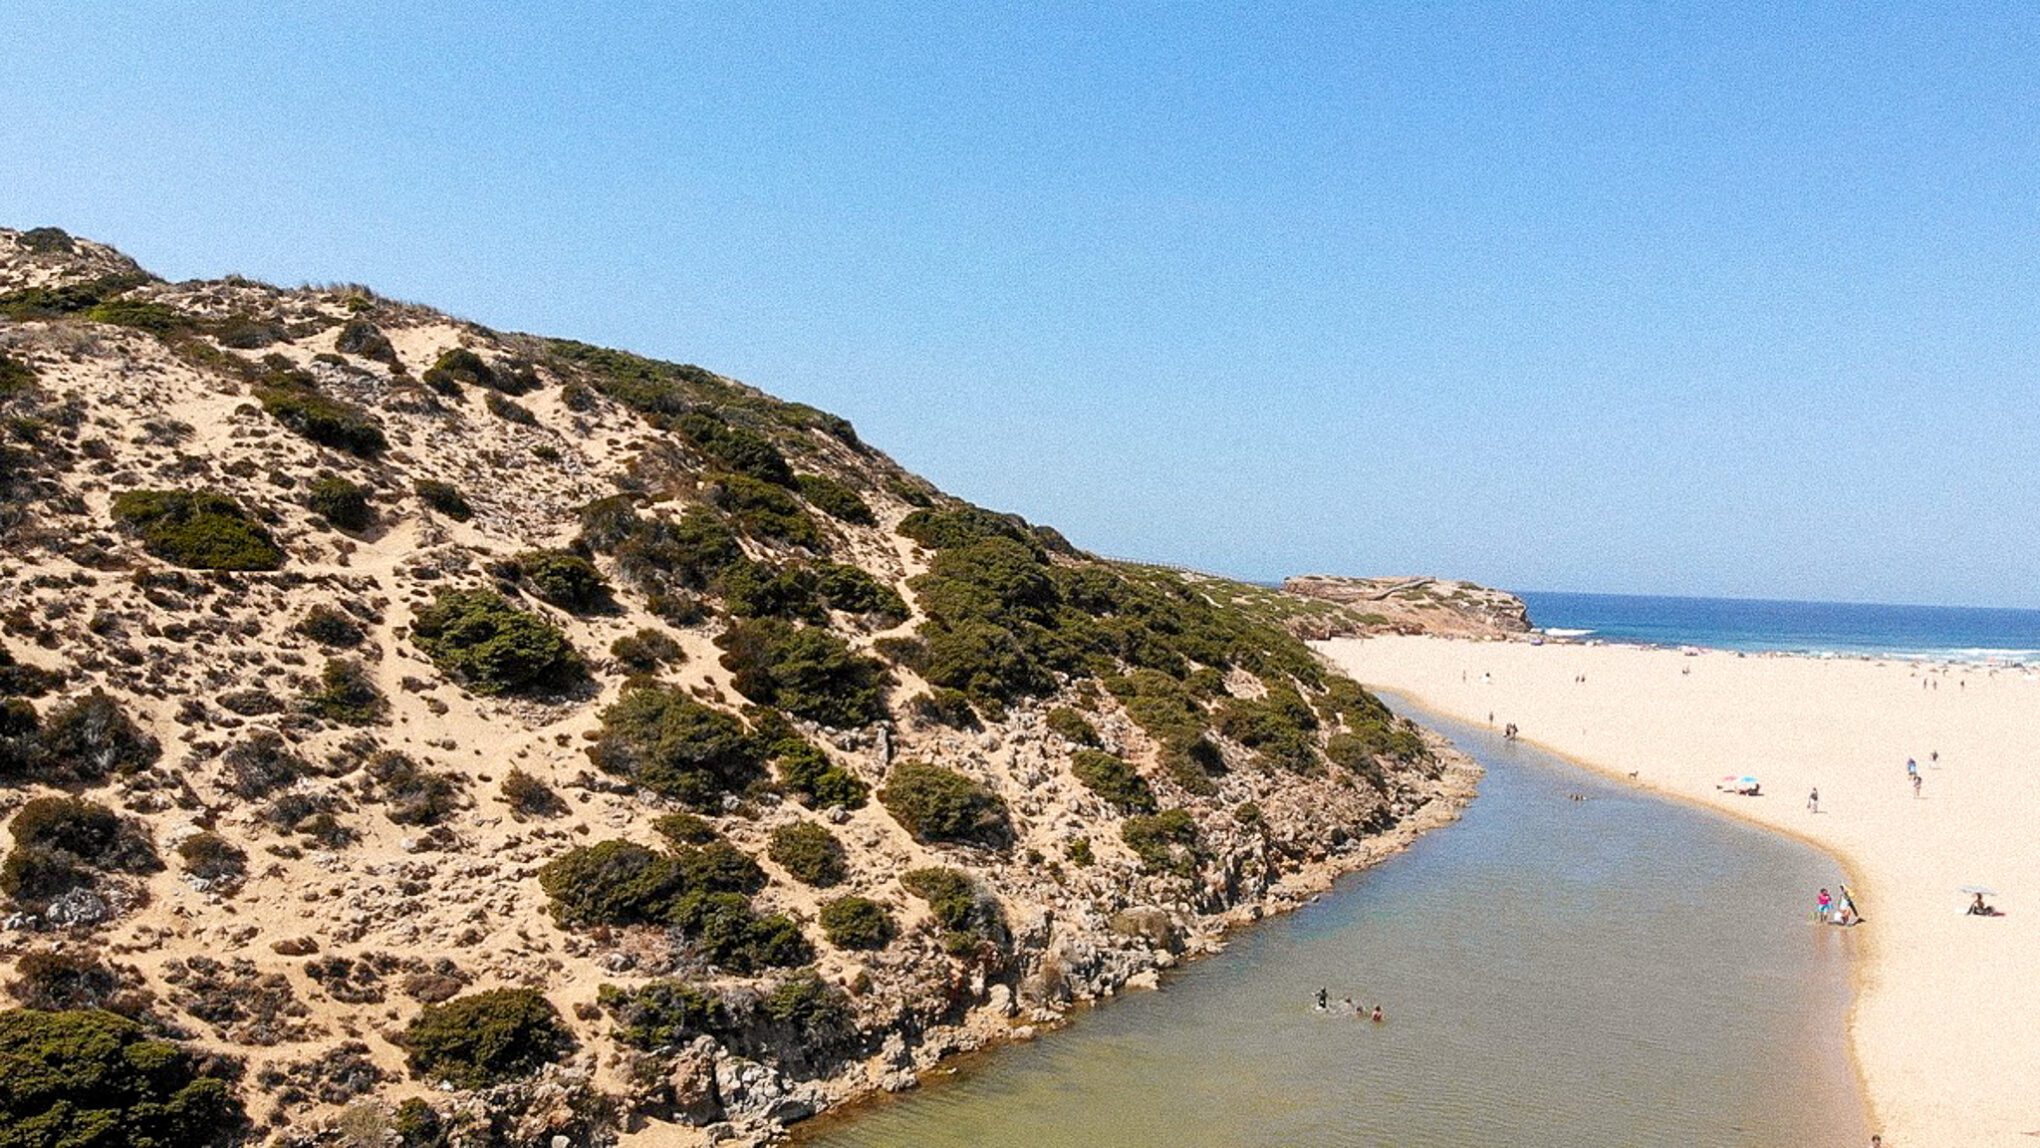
column 1813, row 800
column 1912, row 768
column 1916, row 786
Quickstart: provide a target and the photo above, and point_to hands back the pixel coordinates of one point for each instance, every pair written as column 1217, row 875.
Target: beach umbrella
column 1984, row 890
column 1749, row 781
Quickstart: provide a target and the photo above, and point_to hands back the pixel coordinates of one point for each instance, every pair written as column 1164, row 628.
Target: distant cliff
column 1405, row 606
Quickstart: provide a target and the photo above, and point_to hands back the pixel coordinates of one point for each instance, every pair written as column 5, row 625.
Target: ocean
column 1950, row 633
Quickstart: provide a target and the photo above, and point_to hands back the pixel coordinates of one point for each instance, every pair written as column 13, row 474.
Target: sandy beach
column 1944, row 1028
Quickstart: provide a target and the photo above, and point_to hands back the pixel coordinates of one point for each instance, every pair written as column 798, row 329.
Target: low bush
column 646, row 651
column 1280, row 727
column 944, row 706
column 486, row 1038
column 527, row 795
column 963, row 526
column 86, row 1078
column 61, row 842
column 1114, row 780
column 72, row 979
column 1165, row 842
column 818, row 782
column 807, row 1019
column 941, row 805
column 807, row 672
column 341, row 503
column 457, row 366
column 1356, row 755
column 200, row 530
column 143, row 315
column 686, row 829
column 613, row 883
column 667, row 742
column 724, row 930
column 853, row 590
column 970, row 920
column 445, row 498
column 564, row 579
column 1073, row 727
column 664, row 1014
column 764, row 512
column 744, row 451
column 809, row 852
column 89, row 739
column 211, row 857
column 360, row 337
column 835, row 500
column 16, row 376
column 331, row 626
column 509, row 410
column 493, row 647
column 857, row 923
column 260, row 764
column 25, row 680
column 412, row 794
column 347, row 694
column 294, row 399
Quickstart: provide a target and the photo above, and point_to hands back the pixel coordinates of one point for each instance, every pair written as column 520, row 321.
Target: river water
column 1616, row 971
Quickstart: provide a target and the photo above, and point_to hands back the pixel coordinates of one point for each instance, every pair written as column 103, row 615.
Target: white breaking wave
column 1563, row 632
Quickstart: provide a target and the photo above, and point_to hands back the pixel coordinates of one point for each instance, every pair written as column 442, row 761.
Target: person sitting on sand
column 1978, row 909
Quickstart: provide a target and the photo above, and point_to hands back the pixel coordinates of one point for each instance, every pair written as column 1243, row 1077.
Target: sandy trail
column 1946, row 1028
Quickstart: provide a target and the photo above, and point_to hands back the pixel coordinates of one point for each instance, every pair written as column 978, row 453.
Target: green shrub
column 964, row 525
column 764, row 511
column 413, row 794
column 527, row 795
column 720, row 867
column 294, row 399
column 348, row 694
column 1073, row 727
column 724, row 930
column 835, row 500
column 155, row 318
column 90, row 1078
column 819, row 783
column 564, row 579
column 647, row 650
column 686, row 829
column 669, row 743
column 757, row 590
column 457, row 366
column 809, row 852
column 1114, row 780
column 942, row 805
column 341, row 503
column 852, row 590
column 509, row 410
column 806, row 1017
column 1280, row 727
column 970, row 920
column 664, row 1014
column 746, row 452
column 46, row 241
column 1356, row 755
column 248, row 333
column 445, row 498
column 1078, row 850
column 486, row 1038
column 331, row 626
column 211, row 857
column 53, row 979
column 491, row 645
column 25, row 680
column 360, row 337
column 613, row 883
column 687, row 553
column 16, row 377
column 19, row 727
column 59, row 843
column 197, row 529
column 1165, row 842
column 805, row 671
column 857, row 923
column 88, row 739
column 944, row 706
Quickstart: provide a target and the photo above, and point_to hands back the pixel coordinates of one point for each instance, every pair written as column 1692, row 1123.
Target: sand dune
column 1944, row 1028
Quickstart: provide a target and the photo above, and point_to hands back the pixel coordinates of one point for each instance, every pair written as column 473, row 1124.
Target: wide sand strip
column 1946, row 1028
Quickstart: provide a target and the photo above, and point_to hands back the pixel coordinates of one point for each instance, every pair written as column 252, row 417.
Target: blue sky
column 1652, row 298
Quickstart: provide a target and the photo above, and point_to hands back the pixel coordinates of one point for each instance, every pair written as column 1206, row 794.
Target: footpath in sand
column 1946, row 1028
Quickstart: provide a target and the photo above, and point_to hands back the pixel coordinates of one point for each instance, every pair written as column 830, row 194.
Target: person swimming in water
column 1321, row 997
column 1377, row 1018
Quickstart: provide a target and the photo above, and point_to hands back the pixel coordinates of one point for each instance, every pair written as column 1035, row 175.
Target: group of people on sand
column 1346, row 1004
column 1832, row 910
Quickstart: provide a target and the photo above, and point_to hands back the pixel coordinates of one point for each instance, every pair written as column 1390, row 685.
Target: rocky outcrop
column 1406, row 606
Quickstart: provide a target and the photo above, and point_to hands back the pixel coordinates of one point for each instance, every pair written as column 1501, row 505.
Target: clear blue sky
column 1707, row 300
